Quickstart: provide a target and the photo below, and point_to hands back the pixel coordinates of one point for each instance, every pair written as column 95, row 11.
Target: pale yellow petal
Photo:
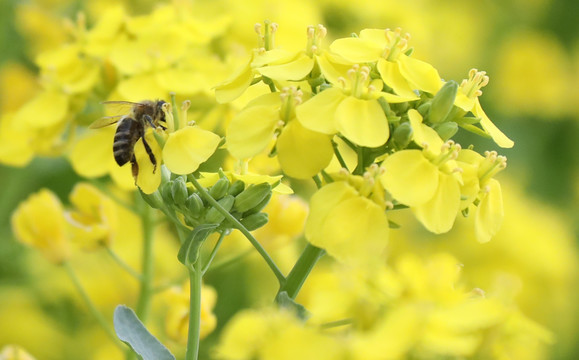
column 188, row 148
column 319, row 113
column 234, row 87
column 410, row 177
column 501, row 139
column 363, row 122
column 438, row 214
column 91, row 156
column 47, row 109
column 390, row 73
column 297, row 69
column 303, row 153
column 251, row 131
column 357, row 50
column 149, row 175
column 420, row 74
column 489, row 213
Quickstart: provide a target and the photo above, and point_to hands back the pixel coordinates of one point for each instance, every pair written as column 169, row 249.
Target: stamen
column 257, row 28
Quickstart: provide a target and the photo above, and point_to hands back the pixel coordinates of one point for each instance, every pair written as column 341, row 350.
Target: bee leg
column 151, row 155
column 150, row 121
column 134, row 168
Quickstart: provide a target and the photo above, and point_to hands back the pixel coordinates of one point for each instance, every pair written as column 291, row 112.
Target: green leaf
column 189, row 251
column 284, row 301
column 132, row 332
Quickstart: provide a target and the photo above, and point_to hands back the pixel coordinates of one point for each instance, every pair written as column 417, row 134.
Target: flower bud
column 403, row 135
column 262, row 204
column 194, row 204
column 236, row 188
column 213, row 215
column 179, row 191
column 251, row 197
column 254, row 221
column 219, row 189
column 442, row 102
column 446, row 130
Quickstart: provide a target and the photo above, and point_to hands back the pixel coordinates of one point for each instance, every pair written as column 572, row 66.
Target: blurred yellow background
column 529, row 49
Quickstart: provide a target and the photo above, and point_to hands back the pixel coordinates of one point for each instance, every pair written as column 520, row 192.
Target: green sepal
column 189, row 251
column 251, row 197
column 154, row 200
column 446, row 130
column 262, row 204
column 194, row 204
column 236, row 188
column 403, row 135
column 219, row 189
column 254, row 221
column 132, row 332
column 443, row 102
column 214, row 216
column 475, row 130
column 179, row 191
column 284, row 301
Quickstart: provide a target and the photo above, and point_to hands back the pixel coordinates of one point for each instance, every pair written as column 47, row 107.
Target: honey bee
column 131, row 127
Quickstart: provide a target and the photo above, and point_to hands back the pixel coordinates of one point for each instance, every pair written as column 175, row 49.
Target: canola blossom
column 287, row 177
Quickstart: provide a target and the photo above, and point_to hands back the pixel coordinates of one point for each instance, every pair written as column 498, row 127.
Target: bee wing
column 105, row 121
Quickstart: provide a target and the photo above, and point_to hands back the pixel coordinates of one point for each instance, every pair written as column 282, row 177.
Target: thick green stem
column 195, row 280
column 236, row 224
column 92, row 308
column 301, row 270
column 146, row 291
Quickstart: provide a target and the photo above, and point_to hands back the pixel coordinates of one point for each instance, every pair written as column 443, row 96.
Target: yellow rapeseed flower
column 40, row 223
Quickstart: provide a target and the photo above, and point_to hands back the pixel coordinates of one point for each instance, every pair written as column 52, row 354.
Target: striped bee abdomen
column 128, row 132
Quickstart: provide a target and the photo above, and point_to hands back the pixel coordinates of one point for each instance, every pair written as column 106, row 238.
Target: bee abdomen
column 128, row 132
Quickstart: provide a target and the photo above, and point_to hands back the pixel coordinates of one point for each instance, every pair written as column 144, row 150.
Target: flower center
column 358, row 82
column 476, row 80
column 491, row 165
column 396, row 44
column 315, row 36
column 444, row 160
column 266, row 40
column 290, row 98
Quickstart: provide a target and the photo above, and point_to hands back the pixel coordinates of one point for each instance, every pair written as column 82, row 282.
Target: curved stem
column 123, row 264
column 338, row 155
column 146, row 291
column 195, row 280
column 301, row 270
column 92, row 308
column 214, row 252
column 236, row 224
column 233, row 259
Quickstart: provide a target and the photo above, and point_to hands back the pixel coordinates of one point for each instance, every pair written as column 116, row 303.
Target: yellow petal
column 149, row 176
column 188, row 148
column 321, row 203
column 182, row 81
column 251, row 131
column 377, row 36
column 410, row 177
column 420, row 74
column 15, row 149
column 47, row 109
column 363, row 122
column 501, row 139
column 303, row 153
column 318, row 113
column 122, row 176
column 439, row 213
column 39, row 222
column 234, row 87
column 424, row 135
column 390, row 73
column 489, row 214
column 355, row 231
column 463, row 101
column 332, row 66
column 141, row 87
column 297, row 69
column 357, row 50
column 91, row 156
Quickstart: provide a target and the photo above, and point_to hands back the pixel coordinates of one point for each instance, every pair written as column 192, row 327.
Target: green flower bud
column 443, row 102
column 446, row 130
column 257, row 208
column 424, row 108
column 179, row 191
column 213, row 216
column 236, row 188
column 403, row 135
column 219, row 189
column 254, row 221
column 194, row 204
column 165, row 191
column 251, row 197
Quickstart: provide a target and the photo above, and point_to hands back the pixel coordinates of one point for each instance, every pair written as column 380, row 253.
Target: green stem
column 336, row 323
column 214, row 251
column 317, row 181
column 92, row 308
column 233, row 259
column 301, row 270
column 146, row 291
column 195, row 280
column 236, row 224
column 123, row 264
column 339, row 156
